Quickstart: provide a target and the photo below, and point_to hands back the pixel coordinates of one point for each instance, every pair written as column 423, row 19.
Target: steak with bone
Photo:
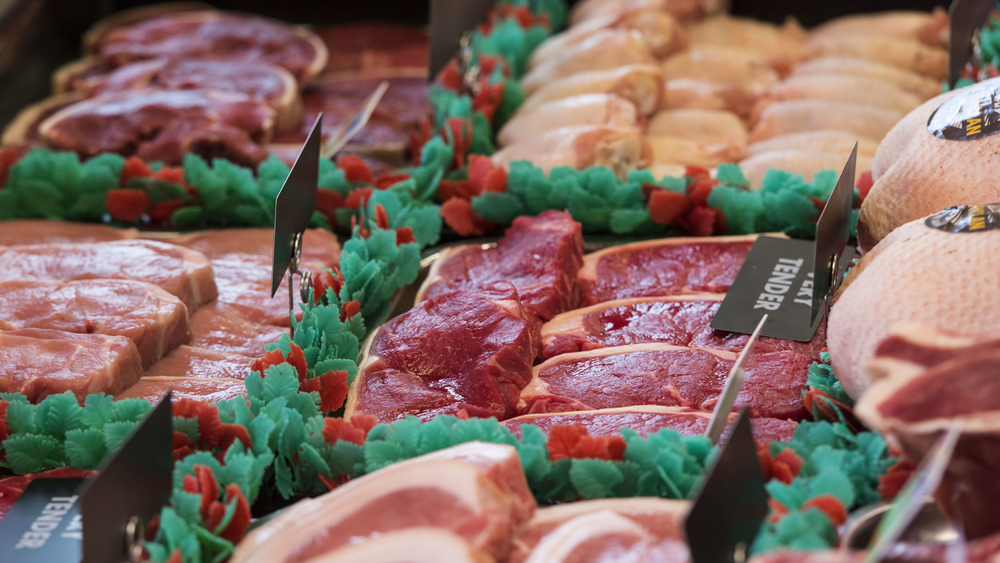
column 154, row 320
column 475, row 490
column 661, row 374
column 924, row 379
column 42, row 362
column 163, row 125
column 662, row 267
column 469, row 349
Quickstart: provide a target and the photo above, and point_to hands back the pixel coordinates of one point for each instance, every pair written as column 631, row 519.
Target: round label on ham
column 970, row 115
column 966, row 218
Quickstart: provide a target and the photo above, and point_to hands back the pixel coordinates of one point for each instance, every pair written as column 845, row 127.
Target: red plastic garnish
column 332, row 389
column 864, row 185
column 4, row 427
column 389, row 179
column 355, row 169
column 777, row 512
column 829, row 505
column 9, row 156
column 485, row 175
column 327, row 203
column 354, row 430
column 666, row 206
column 786, row 465
column 458, row 214
column 358, row 197
column 404, row 235
column 573, row 440
column 126, row 205
column 892, row 482
column 164, row 210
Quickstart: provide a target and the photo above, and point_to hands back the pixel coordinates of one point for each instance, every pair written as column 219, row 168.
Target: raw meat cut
column 604, row 50
column 372, row 47
column 824, row 140
column 217, row 35
column 607, row 110
column 796, row 116
column 539, row 255
column 319, row 246
column 468, row 350
column 779, row 46
column 154, row 320
column 41, row 231
column 244, row 282
column 622, row 150
column 835, row 65
column 894, row 144
column 719, row 131
column 23, row 129
column 730, row 66
column 662, row 518
column 387, row 134
column 647, row 419
column 92, row 37
column 662, row 267
column 917, row 274
column 190, row 362
column 41, row 362
column 475, row 490
column 413, row 545
column 680, row 320
column 209, row 390
column 681, row 9
column 183, row 273
column 930, row 28
column 220, row 327
column 907, row 54
column 662, row 374
column 11, row 488
column 926, row 173
column 605, row 536
column 679, row 150
column 660, row 32
column 927, row 378
column 163, row 125
column 861, row 90
column 269, row 84
column 640, row 84
column 809, row 556
column 805, row 162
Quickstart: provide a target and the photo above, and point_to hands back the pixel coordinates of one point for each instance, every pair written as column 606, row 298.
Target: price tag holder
column 44, row 524
column 449, row 20
column 792, row 281
column 965, row 19
column 734, row 382
column 731, row 504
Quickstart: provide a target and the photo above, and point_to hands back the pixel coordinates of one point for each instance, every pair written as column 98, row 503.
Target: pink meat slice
column 475, row 490
column 189, row 362
column 662, row 518
column 466, row 350
column 661, row 374
column 678, row 320
column 924, row 380
column 374, row 47
column 154, row 320
column 181, row 272
column 209, row 390
column 40, row 231
column 164, row 125
column 318, row 246
column 244, row 282
column 43, row 362
column 221, row 328
column 648, row 419
column 539, row 255
column 662, row 267
column 216, row 35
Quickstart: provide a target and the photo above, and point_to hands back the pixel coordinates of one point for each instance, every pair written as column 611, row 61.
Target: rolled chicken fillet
column 824, row 140
column 661, row 33
column 641, row 84
column 798, row 161
column 586, row 109
column 908, row 54
column 796, row 116
column 622, row 150
column 709, row 127
column 908, row 80
column 604, row 50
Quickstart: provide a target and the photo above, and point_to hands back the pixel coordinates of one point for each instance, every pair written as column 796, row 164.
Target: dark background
column 38, row 35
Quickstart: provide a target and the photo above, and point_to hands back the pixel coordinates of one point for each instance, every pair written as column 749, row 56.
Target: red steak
column 647, row 419
column 220, row 327
column 466, row 350
column 42, row 362
column 217, row 35
column 679, row 320
column 209, row 390
column 539, row 255
column 154, row 320
column 164, row 125
column 187, row 361
column 662, row 267
column 183, row 273
column 319, row 246
column 661, row 374
column 367, row 47
column 244, row 282
column 40, row 231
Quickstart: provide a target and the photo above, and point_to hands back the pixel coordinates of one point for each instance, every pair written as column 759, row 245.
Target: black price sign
column 44, row 524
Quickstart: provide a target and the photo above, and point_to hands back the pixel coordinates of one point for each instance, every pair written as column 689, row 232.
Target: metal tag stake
column 833, row 231
column 965, row 19
column 734, row 382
